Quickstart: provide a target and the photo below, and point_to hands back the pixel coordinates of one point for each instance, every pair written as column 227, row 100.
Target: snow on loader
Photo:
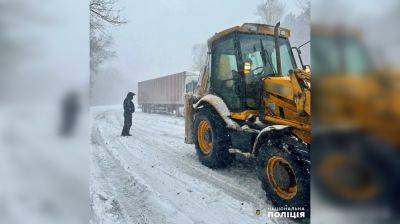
column 252, row 100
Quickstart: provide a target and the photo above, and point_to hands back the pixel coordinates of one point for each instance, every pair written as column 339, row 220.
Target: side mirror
column 298, row 51
column 247, row 67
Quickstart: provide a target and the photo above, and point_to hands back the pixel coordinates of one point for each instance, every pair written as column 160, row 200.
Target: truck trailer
column 165, row 94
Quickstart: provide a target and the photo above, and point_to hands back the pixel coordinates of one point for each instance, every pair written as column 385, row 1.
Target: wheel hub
column 207, row 136
column 281, row 176
column 204, row 137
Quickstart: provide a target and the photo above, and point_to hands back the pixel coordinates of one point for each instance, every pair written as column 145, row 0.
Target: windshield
column 260, row 50
column 334, row 54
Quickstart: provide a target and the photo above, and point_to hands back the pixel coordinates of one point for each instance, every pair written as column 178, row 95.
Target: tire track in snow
column 199, row 171
column 178, row 161
column 135, row 202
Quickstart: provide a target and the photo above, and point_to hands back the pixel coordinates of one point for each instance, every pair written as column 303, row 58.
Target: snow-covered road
column 154, row 177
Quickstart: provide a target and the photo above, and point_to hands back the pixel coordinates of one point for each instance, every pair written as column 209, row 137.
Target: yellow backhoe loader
column 252, row 99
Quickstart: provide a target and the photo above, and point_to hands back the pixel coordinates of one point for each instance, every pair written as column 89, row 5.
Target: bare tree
column 102, row 14
column 271, row 11
column 304, row 4
column 300, row 28
column 199, row 54
column 106, row 11
column 100, row 50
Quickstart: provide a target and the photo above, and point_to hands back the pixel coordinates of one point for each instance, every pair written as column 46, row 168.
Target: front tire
column 212, row 140
column 284, row 178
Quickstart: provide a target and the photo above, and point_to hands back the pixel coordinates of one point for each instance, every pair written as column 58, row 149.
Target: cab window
column 225, row 73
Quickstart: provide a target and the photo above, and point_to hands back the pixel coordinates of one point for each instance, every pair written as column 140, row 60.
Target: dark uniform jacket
column 129, row 107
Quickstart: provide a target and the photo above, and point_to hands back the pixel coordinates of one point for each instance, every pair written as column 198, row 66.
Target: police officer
column 129, row 108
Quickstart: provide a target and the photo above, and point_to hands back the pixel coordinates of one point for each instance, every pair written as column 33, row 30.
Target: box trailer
column 165, row 94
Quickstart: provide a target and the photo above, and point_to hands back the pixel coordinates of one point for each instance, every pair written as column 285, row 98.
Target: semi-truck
column 165, row 94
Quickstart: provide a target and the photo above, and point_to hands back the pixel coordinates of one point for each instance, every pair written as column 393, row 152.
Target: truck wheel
column 284, row 178
column 212, row 140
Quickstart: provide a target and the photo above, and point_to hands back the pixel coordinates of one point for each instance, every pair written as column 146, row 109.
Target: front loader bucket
column 188, row 110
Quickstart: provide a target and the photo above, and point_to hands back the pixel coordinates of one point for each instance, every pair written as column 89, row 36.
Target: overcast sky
column 159, row 37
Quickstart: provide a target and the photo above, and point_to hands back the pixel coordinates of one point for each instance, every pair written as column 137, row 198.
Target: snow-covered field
column 154, row 177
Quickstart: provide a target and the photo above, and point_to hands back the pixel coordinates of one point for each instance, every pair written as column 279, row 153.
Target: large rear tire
column 284, row 177
column 212, row 140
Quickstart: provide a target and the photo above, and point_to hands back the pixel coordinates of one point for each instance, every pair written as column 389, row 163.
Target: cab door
column 225, row 76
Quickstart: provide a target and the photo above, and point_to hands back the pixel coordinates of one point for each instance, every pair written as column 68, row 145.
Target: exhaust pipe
column 277, row 49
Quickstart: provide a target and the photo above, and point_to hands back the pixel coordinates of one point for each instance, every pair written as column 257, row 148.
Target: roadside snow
column 153, row 177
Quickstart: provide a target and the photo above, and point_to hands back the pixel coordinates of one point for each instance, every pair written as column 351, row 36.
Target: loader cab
column 231, row 52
